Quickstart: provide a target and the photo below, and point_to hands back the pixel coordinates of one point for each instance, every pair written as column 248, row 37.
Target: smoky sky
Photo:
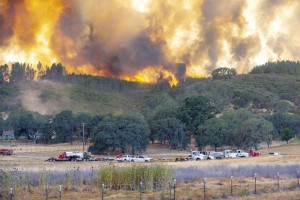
column 116, row 38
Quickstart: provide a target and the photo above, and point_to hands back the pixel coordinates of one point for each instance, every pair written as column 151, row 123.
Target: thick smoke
column 123, row 38
column 7, row 13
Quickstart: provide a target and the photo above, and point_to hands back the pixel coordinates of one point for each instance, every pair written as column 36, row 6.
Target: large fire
column 149, row 40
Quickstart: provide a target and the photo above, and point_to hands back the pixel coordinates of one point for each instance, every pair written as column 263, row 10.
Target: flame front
column 146, row 40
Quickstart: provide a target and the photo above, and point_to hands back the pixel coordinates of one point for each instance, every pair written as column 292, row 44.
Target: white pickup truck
column 141, row 159
column 239, row 154
column 229, row 154
column 124, row 158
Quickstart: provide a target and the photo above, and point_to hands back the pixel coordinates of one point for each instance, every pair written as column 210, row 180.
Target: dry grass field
column 31, row 157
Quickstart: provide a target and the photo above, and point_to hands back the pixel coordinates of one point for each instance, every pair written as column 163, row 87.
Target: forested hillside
column 268, row 94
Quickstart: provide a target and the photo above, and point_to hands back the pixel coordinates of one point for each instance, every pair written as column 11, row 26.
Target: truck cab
column 196, row 155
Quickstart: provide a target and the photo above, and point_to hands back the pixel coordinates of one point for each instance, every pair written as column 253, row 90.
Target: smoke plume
column 144, row 40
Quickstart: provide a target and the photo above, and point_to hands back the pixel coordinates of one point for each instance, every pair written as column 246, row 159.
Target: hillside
column 256, row 92
column 47, row 97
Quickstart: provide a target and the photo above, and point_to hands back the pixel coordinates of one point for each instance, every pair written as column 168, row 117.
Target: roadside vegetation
column 154, row 181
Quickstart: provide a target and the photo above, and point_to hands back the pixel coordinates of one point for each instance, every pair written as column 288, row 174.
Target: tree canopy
column 286, row 135
column 213, row 132
column 252, row 132
column 195, row 110
column 223, row 73
column 120, row 132
column 171, row 130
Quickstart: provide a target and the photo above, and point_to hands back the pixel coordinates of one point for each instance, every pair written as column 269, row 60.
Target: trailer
column 72, row 156
column 6, row 152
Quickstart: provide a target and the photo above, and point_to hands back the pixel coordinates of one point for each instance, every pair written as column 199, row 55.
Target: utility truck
column 197, row 155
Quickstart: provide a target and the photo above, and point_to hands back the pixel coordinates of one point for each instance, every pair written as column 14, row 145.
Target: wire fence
column 206, row 188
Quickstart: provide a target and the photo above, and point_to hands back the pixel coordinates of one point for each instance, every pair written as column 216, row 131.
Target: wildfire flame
column 149, row 40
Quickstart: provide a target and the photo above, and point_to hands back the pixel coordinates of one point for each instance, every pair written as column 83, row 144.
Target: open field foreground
column 28, row 174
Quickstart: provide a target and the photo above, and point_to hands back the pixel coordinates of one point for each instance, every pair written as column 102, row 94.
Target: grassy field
column 31, row 158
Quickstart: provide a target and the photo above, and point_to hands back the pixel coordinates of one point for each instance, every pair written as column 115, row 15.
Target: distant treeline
column 57, row 72
column 279, row 67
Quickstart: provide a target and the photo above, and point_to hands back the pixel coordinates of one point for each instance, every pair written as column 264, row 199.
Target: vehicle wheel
column 176, row 159
column 146, row 160
column 198, row 159
column 132, row 160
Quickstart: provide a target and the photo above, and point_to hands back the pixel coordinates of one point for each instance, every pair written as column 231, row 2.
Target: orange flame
column 152, row 74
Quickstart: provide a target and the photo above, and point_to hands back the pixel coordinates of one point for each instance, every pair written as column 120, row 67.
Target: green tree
column 47, row 130
column 63, row 125
column 233, row 118
column 213, row 132
column 286, row 135
column 4, row 73
column 120, row 132
column 282, row 121
column 171, row 130
column 22, row 122
column 195, row 110
column 223, row 73
column 18, row 72
column 252, row 132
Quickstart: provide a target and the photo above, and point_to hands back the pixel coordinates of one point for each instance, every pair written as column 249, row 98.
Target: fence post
column 59, row 192
column 174, row 188
column 47, row 192
column 298, row 173
column 278, row 181
column 102, row 191
column 141, row 185
column 231, row 184
column 204, row 188
column 10, row 194
column 255, row 183
column 170, row 190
